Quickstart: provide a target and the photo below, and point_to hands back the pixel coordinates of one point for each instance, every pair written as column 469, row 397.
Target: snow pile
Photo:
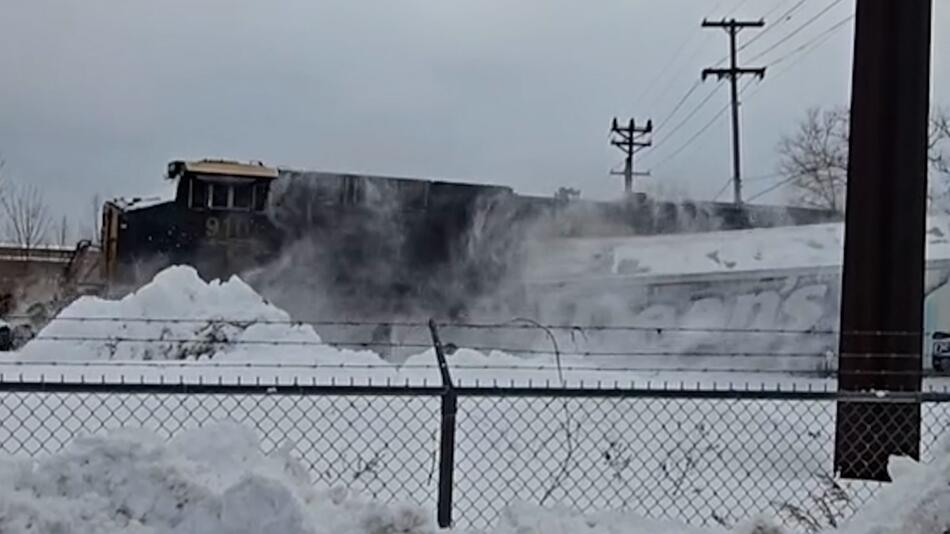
column 527, row 519
column 178, row 316
column 917, row 502
column 210, row 480
column 215, row 480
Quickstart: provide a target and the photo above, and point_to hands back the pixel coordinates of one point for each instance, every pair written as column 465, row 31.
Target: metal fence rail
column 702, row 457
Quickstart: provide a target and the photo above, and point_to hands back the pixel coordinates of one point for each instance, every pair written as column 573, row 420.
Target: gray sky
column 98, row 95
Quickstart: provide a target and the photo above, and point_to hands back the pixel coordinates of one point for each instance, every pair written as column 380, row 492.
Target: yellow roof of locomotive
column 230, row 168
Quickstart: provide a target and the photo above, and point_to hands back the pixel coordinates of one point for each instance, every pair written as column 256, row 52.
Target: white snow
column 215, row 480
column 134, row 483
column 178, row 316
column 791, row 247
column 211, row 480
column 178, row 325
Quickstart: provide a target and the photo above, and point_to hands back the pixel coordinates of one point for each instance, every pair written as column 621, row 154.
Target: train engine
column 369, row 245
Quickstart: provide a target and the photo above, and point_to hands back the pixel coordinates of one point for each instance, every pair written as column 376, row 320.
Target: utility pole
column 630, row 139
column 882, row 286
column 732, row 27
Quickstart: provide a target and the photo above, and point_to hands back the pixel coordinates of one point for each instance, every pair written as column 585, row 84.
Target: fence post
column 447, row 438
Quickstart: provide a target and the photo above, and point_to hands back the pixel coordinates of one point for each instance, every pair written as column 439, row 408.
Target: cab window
column 199, row 194
column 220, row 196
column 243, row 196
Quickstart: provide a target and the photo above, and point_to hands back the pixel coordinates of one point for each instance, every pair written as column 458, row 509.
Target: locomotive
column 371, row 244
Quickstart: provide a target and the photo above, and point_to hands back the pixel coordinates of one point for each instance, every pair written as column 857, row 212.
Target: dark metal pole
column 734, row 82
column 628, row 172
column 447, row 433
column 883, row 277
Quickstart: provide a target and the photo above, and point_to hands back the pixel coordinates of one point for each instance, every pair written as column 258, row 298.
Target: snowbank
column 215, row 480
column 210, row 480
column 178, row 316
column 527, row 519
column 917, row 502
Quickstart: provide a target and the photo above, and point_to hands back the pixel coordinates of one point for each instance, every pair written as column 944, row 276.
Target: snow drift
column 210, row 480
column 178, row 316
column 215, row 480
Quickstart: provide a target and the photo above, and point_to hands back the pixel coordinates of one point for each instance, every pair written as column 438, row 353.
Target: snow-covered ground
column 215, row 480
column 698, row 460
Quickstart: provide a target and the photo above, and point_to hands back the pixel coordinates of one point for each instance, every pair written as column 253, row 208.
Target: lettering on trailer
column 791, row 303
column 712, row 318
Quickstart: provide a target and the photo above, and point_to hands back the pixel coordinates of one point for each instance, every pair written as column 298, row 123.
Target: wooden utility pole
column 883, row 278
column 734, row 72
column 630, row 139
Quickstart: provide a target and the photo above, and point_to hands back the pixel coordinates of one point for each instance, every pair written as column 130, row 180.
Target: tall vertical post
column 630, row 139
column 447, row 433
column 880, row 339
column 732, row 27
column 733, row 82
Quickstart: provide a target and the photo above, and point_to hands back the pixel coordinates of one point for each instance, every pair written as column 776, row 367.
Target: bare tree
column 93, row 229
column 938, row 143
column 814, row 159
column 62, row 232
column 25, row 214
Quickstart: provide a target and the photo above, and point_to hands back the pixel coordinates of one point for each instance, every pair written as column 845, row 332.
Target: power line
column 692, row 113
column 687, row 61
column 806, row 49
column 679, row 104
column 692, row 138
column 698, row 133
column 723, row 189
column 773, row 188
column 815, row 39
column 784, row 17
column 672, row 61
column 797, row 30
column 775, row 8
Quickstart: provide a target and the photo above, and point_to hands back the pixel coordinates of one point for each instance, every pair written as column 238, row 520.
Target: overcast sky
column 97, row 95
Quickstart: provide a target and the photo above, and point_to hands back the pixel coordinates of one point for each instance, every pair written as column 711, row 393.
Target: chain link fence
column 701, row 457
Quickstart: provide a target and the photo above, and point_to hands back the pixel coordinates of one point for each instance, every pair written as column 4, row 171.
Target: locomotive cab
column 216, row 222
column 222, row 186
column 224, row 203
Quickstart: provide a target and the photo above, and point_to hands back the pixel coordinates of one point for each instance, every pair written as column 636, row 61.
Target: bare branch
column 93, row 229
column 26, row 218
column 814, row 159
